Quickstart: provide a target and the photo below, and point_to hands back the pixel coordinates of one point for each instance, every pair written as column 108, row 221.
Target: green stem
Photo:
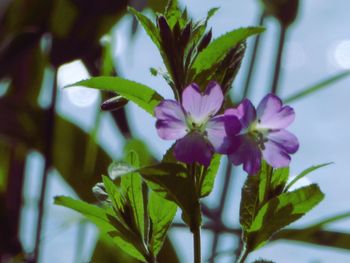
column 197, row 245
column 195, row 224
column 243, row 255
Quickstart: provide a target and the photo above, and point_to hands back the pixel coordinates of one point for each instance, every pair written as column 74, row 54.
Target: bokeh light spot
column 71, row 73
column 340, row 54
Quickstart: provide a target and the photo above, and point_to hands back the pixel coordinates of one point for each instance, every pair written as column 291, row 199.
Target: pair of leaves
column 266, row 207
column 136, row 226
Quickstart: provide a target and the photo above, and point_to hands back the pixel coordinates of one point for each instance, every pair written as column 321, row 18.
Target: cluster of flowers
column 247, row 135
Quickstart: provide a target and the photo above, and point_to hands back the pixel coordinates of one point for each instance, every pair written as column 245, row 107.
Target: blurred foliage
column 37, row 35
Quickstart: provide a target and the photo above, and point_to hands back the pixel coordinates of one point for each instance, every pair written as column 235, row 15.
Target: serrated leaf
column 249, row 202
column 145, row 97
column 131, row 185
column 173, row 14
column 161, row 212
column 107, row 224
column 209, row 176
column 148, row 25
column 114, row 195
column 170, row 181
column 280, row 212
column 304, row 173
column 279, row 179
column 217, row 49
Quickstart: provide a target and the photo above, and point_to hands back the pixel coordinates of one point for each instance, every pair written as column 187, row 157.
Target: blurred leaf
column 209, row 176
column 217, row 49
column 304, row 173
column 148, row 25
column 131, row 184
column 330, row 220
column 263, row 261
column 280, row 212
column 162, row 213
column 106, row 252
column 319, row 86
column 4, row 166
column 26, row 123
column 333, row 239
column 120, row 235
column 145, row 157
column 143, row 96
column 62, row 18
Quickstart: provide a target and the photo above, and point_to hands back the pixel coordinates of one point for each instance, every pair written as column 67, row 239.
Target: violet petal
column 288, row 141
column 218, row 136
column 245, row 112
column 201, row 106
column 171, row 123
column 275, row 155
column 272, row 115
column 247, row 154
column 193, row 148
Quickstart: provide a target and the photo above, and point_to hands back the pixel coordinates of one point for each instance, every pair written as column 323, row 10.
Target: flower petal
column 275, row 155
column 171, row 124
column 247, row 154
column 288, row 141
column 245, row 112
column 218, row 136
column 201, row 106
column 272, row 115
column 193, row 148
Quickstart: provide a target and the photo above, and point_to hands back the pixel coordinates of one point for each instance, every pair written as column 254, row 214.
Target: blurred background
column 56, row 141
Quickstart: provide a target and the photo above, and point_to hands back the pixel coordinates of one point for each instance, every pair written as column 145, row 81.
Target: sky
column 318, row 45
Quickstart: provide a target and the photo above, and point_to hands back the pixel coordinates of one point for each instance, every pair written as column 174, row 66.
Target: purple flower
column 199, row 133
column 263, row 134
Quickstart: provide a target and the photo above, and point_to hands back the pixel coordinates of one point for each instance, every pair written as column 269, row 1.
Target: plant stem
column 243, row 255
column 252, row 59
column 197, row 244
column 48, row 153
column 278, row 61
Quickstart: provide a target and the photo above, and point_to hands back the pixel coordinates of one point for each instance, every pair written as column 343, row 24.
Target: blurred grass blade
column 317, row 87
column 304, row 173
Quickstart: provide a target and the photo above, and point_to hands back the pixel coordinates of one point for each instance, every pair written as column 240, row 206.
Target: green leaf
column 131, row 185
column 170, row 181
column 249, row 202
column 145, row 97
column 161, row 213
column 108, row 225
column 148, row 25
column 304, row 173
column 209, row 176
column 317, row 87
column 173, row 14
column 116, row 197
column 217, row 49
column 280, row 212
column 278, row 181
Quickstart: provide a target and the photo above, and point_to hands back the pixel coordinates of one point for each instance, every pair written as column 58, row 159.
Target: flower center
column 258, row 135
column 194, row 126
